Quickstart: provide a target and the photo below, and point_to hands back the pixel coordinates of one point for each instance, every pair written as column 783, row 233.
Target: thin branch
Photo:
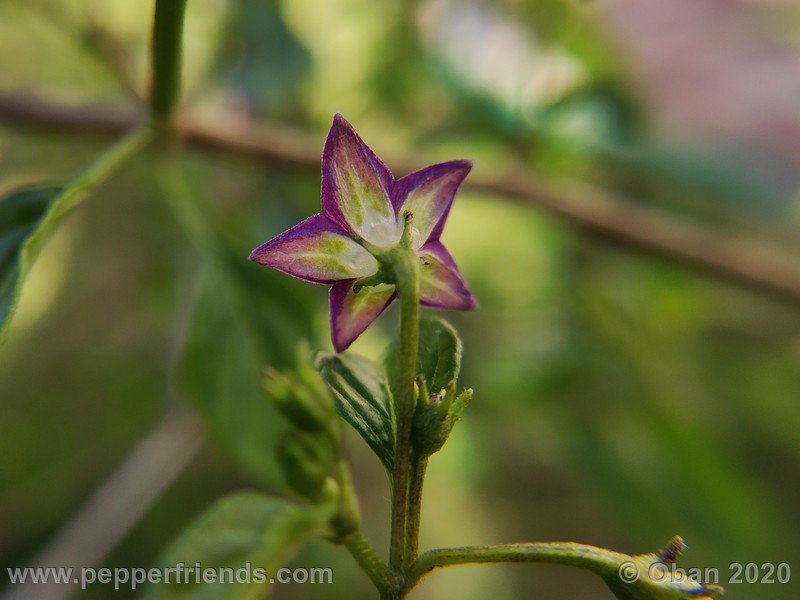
column 628, row 576
column 751, row 263
column 22, row 109
column 597, row 560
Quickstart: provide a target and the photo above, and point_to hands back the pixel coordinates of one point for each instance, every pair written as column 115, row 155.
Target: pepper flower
column 364, row 212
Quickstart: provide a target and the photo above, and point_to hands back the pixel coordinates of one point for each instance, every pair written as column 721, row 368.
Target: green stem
column 348, row 519
column 406, row 270
column 82, row 187
column 366, row 557
column 418, row 466
column 166, row 58
column 597, row 560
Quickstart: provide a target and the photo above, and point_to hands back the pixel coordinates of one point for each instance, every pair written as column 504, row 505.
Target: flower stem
column 166, row 58
column 418, row 466
column 406, row 269
column 597, row 560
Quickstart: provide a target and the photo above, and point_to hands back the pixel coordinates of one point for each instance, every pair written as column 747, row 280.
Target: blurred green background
column 620, row 399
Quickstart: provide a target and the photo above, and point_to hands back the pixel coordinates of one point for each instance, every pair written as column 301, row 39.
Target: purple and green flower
column 365, row 212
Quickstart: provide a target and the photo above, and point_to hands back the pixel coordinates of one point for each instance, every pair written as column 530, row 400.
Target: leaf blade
column 362, row 398
column 243, row 528
column 438, row 358
column 21, row 211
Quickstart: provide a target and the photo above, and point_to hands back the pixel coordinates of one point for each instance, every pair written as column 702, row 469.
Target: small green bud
column 307, row 407
column 436, row 415
column 653, row 576
column 306, row 464
column 330, row 491
column 347, row 519
column 309, row 376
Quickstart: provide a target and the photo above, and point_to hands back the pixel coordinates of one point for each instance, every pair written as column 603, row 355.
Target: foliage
column 20, row 212
column 363, row 399
column 243, row 530
column 640, row 396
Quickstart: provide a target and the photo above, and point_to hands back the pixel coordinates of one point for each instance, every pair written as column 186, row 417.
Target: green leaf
column 21, row 211
column 241, row 323
column 43, row 209
column 439, row 358
column 262, row 58
column 247, row 317
column 220, row 373
column 363, row 399
column 242, row 529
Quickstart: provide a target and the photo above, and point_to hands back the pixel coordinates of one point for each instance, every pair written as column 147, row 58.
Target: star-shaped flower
column 364, row 212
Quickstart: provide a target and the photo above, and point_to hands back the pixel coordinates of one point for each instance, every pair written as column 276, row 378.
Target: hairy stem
column 597, row 560
column 366, row 557
column 407, row 280
column 349, row 515
column 418, row 466
column 166, row 58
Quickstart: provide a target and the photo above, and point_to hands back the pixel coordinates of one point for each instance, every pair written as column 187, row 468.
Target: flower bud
column 654, row 576
column 302, row 396
column 306, row 464
column 436, row 415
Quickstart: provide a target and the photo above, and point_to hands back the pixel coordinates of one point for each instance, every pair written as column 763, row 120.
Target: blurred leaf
column 439, row 358
column 247, row 317
column 727, row 179
column 261, row 298
column 569, row 25
column 399, row 73
column 220, row 373
column 59, row 202
column 263, row 58
column 242, row 529
column 21, row 211
column 268, row 301
column 230, row 340
column 363, row 399
column 568, row 94
column 307, row 461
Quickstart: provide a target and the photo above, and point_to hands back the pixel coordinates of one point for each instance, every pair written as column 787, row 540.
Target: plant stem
column 418, row 466
column 349, row 515
column 166, row 58
column 366, row 557
column 597, row 560
column 82, row 186
column 406, row 269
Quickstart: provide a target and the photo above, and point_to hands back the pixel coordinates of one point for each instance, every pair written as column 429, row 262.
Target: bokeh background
column 620, row 398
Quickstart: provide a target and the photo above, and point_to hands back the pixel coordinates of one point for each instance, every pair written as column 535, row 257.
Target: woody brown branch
column 749, row 262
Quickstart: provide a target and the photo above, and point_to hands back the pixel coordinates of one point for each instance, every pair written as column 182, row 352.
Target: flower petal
column 316, row 250
column 428, row 195
column 355, row 186
column 351, row 313
column 441, row 283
